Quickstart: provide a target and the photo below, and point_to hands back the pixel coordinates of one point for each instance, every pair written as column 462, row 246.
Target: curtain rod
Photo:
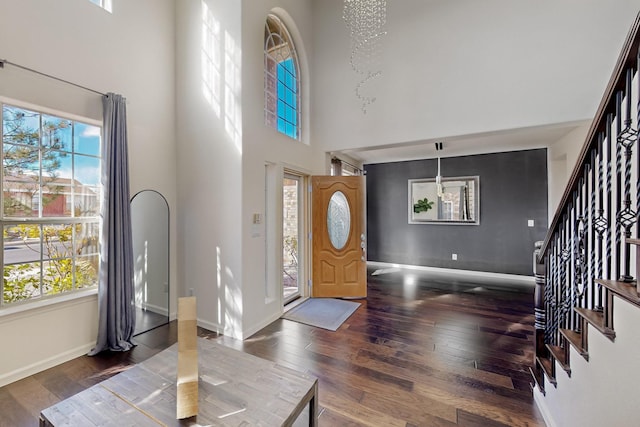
column 4, row 61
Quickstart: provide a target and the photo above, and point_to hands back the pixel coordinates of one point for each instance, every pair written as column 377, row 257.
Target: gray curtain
column 116, row 321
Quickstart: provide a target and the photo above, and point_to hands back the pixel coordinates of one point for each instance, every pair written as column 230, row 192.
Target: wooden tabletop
column 235, row 389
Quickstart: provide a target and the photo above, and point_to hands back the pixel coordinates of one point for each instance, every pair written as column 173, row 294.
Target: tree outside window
column 50, row 204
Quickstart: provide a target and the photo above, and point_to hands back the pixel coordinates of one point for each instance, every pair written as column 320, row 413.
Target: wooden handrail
column 626, row 60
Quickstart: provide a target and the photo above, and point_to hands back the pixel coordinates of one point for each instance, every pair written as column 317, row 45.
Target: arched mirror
column 150, row 228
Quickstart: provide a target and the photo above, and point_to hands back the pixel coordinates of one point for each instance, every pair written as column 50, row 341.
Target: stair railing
column 587, row 253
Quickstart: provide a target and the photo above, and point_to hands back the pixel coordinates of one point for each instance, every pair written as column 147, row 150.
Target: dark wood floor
column 418, row 352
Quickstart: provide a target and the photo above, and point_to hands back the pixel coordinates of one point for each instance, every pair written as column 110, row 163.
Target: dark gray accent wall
column 513, row 190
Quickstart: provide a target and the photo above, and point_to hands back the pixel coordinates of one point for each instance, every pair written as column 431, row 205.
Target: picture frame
column 457, row 202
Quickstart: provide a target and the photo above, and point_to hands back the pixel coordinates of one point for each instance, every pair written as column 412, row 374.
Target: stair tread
column 547, row 367
column 575, row 339
column 559, row 354
column 537, row 379
column 625, row 290
column 596, row 319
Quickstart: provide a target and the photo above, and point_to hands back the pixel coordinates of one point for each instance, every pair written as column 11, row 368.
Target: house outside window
column 51, row 183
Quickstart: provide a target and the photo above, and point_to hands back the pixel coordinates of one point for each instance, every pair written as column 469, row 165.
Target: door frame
column 304, row 245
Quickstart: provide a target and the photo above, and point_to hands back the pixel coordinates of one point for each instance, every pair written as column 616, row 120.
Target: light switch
column 530, row 223
column 257, row 218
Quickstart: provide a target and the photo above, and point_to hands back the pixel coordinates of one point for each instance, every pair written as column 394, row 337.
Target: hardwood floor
column 147, row 320
column 418, row 352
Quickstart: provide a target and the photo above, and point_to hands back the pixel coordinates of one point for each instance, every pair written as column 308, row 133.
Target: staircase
column 587, row 357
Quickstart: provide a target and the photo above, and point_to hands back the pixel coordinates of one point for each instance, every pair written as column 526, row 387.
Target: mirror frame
column 413, row 188
column 148, row 190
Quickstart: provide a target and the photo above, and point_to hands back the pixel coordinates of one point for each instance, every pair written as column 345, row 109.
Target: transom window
column 51, row 181
column 281, row 79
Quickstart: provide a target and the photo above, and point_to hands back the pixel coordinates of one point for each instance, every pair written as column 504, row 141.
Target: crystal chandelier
column 366, row 21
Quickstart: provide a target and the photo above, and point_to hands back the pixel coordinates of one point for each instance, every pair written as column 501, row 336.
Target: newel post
column 540, row 313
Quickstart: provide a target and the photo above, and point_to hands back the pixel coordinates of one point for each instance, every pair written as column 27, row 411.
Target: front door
column 338, row 237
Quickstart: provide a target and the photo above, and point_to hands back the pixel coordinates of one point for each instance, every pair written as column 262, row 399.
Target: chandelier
column 366, row 21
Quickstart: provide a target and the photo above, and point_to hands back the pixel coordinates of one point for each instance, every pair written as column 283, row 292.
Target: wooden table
column 235, row 389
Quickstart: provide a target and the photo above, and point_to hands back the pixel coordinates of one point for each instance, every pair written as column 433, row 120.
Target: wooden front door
column 338, row 237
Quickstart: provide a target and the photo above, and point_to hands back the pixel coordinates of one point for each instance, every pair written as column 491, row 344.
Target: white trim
column 58, row 302
column 42, row 365
column 50, row 111
column 260, row 325
column 294, row 304
column 542, row 407
column 154, row 308
column 213, row 327
column 515, row 279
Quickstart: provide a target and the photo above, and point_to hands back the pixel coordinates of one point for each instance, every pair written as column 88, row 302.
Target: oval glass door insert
column 338, row 220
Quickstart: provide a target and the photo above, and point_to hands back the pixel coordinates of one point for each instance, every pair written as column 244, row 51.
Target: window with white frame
column 281, row 79
column 105, row 4
column 51, row 182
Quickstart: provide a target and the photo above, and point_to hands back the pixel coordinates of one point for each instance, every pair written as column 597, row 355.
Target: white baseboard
column 494, row 278
column 42, row 365
column 255, row 328
column 154, row 308
column 542, row 407
column 213, row 327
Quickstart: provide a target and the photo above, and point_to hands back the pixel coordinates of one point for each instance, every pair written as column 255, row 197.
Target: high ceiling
column 489, row 142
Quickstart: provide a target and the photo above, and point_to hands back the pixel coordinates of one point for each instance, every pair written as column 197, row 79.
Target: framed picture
column 457, row 201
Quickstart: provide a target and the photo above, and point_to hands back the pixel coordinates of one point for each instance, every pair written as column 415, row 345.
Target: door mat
column 325, row 313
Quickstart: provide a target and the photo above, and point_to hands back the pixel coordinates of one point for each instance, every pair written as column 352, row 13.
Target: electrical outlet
column 454, row 257
column 530, row 223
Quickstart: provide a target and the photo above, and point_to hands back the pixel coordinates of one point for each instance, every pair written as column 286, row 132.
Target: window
column 342, row 168
column 50, row 204
column 105, row 4
column 281, row 79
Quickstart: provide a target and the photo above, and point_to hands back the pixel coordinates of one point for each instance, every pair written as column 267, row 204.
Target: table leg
column 313, row 407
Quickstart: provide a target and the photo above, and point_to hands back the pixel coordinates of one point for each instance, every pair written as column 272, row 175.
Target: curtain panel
column 116, row 321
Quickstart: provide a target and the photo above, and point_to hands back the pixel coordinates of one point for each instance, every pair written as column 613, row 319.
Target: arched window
column 281, row 79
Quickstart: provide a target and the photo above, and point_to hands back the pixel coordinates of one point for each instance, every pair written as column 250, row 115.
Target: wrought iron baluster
column 550, row 265
column 618, row 200
column 581, row 244
column 626, row 217
column 637, row 93
column 571, row 242
column 608, row 241
column 557, row 285
column 592, row 219
column 565, row 256
column 600, row 224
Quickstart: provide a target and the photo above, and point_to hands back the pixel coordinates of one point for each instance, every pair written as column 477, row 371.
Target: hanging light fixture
column 439, row 176
column 439, row 181
column 366, row 21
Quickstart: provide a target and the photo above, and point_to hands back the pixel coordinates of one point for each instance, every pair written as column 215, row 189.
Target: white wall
column 465, row 67
column 210, row 165
column 602, row 391
column 262, row 145
column 224, row 147
column 562, row 156
column 44, row 337
column 130, row 52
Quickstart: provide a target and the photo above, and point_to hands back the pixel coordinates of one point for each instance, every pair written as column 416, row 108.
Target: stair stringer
column 604, row 390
